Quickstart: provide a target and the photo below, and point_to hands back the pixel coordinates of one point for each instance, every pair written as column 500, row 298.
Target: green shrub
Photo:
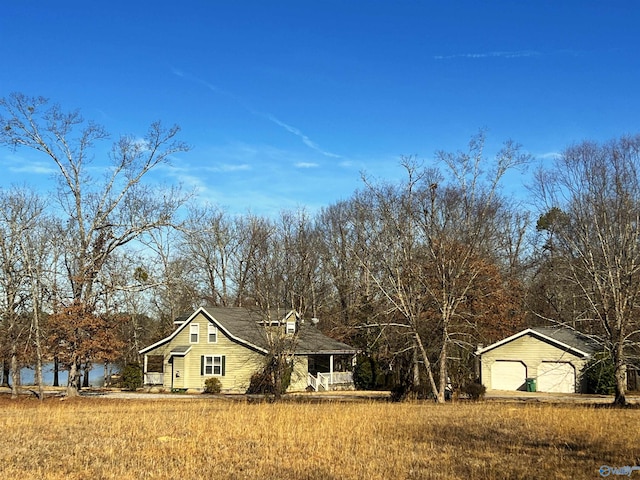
column 212, row 385
column 365, row 373
column 598, row 375
column 132, row 377
column 262, row 381
column 475, row 390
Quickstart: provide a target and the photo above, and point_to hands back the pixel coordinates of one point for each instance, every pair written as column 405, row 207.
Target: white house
column 550, row 358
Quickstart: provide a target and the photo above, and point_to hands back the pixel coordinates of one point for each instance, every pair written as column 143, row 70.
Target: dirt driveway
column 347, row 396
column 343, row 396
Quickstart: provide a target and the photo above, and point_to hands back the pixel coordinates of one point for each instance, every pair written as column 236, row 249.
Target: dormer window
column 291, row 327
column 212, row 334
column 194, row 332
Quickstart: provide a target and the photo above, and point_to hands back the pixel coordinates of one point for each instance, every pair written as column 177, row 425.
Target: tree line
column 415, row 273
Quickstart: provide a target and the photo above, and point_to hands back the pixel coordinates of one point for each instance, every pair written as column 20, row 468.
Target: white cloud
column 306, row 165
column 227, row 167
column 240, row 101
column 549, row 156
column 306, row 140
column 516, row 54
column 17, row 164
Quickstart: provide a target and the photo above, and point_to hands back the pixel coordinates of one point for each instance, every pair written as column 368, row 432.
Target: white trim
column 211, row 319
column 213, row 366
column 530, row 331
column 173, row 353
column 212, row 329
column 290, row 327
column 197, row 333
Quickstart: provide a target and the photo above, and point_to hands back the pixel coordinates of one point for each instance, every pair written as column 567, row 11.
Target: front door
column 178, row 372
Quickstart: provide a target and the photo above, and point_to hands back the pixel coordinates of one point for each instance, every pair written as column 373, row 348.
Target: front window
column 291, row 327
column 213, row 365
column 213, row 334
column 194, row 331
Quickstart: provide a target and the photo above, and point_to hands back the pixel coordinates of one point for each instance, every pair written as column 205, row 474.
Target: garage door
column 507, row 375
column 556, row 377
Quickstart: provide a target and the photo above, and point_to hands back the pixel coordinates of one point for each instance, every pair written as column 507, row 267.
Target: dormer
column 291, row 323
column 179, row 321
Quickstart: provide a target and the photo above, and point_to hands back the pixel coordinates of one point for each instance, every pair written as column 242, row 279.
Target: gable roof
column 243, row 326
column 563, row 338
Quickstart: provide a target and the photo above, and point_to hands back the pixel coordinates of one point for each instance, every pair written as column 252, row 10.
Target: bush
column 212, row 385
column 132, row 377
column 365, row 373
column 262, row 381
column 475, row 390
column 599, row 375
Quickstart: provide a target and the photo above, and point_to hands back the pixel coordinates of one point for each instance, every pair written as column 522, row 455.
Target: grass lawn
column 93, row 438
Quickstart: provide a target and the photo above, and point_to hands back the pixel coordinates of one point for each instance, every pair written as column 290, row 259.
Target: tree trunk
column 56, row 371
column 443, row 371
column 15, row 373
column 38, row 377
column 38, row 372
column 278, row 379
column 427, row 364
column 6, row 369
column 620, row 375
column 85, row 377
column 73, row 384
column 416, row 367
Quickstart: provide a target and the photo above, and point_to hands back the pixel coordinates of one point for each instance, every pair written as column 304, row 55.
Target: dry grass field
column 93, row 438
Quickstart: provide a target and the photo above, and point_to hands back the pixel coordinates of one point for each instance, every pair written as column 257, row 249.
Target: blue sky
column 285, row 103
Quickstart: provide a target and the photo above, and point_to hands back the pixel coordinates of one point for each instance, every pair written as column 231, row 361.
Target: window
column 213, row 365
column 291, row 327
column 212, row 334
column 194, row 332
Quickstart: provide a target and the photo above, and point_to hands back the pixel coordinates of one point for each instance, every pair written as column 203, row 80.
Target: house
column 231, row 344
column 549, row 358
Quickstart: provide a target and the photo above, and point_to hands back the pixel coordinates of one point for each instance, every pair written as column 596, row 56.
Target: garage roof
column 563, row 338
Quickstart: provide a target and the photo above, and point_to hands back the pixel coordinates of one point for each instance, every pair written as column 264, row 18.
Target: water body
column 96, row 375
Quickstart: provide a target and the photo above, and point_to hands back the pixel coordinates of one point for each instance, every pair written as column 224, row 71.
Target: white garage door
column 507, row 375
column 556, row 377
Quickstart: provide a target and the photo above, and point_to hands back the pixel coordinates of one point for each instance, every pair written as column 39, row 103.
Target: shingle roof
column 243, row 324
column 561, row 337
column 570, row 337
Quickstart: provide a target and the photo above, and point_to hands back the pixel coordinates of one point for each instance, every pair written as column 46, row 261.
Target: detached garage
column 508, row 375
column 554, row 357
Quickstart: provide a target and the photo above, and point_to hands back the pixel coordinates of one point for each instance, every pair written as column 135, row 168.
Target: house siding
column 240, row 362
column 299, row 374
column 531, row 351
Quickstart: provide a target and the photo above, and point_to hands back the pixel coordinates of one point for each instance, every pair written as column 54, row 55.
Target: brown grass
column 89, row 438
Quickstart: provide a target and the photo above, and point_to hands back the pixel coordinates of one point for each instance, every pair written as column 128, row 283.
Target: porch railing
column 153, row 378
column 325, row 381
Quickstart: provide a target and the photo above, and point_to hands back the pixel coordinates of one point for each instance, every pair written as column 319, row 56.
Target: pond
column 96, row 375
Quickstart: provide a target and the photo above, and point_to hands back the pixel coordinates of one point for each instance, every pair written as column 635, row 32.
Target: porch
column 330, row 372
column 330, row 381
column 153, row 370
column 153, row 378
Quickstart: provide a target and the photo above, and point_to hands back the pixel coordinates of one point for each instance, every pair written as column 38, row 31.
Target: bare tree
column 304, row 284
column 18, row 219
column 590, row 203
column 253, row 235
column 210, row 243
column 174, row 290
column 102, row 215
column 36, row 245
column 434, row 238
